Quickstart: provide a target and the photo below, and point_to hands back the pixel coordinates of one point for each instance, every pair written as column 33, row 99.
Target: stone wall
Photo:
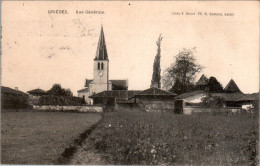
column 227, row 111
column 156, row 105
column 68, row 108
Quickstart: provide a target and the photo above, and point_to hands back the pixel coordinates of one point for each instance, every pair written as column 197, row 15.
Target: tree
column 177, row 87
column 213, row 101
column 57, row 90
column 185, row 68
column 156, row 78
column 214, row 86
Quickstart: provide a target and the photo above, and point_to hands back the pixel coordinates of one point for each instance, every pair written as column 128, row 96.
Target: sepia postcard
column 130, row 82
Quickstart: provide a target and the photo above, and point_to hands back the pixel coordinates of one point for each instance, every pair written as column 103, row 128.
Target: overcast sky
column 40, row 49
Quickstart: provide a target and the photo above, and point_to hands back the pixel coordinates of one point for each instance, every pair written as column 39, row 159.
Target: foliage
column 57, row 90
column 213, row 101
column 170, row 139
column 156, row 78
column 214, row 86
column 185, row 68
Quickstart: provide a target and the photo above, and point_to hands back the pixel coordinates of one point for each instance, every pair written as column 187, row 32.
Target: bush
column 60, row 100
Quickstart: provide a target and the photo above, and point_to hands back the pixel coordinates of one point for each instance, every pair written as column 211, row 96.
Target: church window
column 98, row 65
column 102, row 65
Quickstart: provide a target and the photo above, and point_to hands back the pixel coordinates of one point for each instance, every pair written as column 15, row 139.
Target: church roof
column 101, row 53
column 120, row 83
column 117, row 83
column 87, row 82
column 232, row 87
column 203, row 80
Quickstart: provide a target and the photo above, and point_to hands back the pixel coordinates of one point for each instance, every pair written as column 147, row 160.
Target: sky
column 40, row 49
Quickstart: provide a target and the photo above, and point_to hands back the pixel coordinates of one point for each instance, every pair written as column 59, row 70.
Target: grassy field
column 165, row 138
column 40, row 137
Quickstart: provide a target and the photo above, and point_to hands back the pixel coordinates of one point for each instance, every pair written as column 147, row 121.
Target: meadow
column 40, row 137
column 170, row 139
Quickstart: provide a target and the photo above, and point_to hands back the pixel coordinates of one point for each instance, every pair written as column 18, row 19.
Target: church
column 100, row 81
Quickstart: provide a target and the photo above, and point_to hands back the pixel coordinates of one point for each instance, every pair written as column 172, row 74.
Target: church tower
column 101, row 67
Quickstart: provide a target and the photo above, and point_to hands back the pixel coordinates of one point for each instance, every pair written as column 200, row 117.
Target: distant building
column 155, row 100
column 37, row 92
column 100, row 81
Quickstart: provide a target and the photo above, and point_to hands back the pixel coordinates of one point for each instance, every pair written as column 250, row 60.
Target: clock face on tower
column 100, row 74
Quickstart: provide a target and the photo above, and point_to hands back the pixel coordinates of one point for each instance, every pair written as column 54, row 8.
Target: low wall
column 156, row 105
column 68, row 108
column 194, row 110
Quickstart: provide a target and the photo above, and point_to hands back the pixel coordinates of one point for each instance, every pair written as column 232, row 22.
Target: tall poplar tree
column 156, row 78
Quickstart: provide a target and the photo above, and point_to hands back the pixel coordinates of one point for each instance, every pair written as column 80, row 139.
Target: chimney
column 16, row 88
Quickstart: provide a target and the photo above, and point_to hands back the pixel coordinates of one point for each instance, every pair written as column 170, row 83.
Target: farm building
column 230, row 99
column 13, row 98
column 37, row 92
column 114, row 97
column 155, row 99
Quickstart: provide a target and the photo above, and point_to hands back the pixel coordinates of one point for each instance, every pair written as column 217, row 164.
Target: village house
column 101, row 81
column 13, row 98
column 37, row 92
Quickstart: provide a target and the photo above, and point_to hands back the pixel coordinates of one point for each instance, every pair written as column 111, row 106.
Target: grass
column 40, row 137
column 165, row 138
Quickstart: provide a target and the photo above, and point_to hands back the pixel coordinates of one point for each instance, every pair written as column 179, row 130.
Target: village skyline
column 63, row 53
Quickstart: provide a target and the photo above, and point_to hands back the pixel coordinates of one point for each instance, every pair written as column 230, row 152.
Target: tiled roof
column 155, row 91
column 37, row 91
column 188, row 94
column 87, row 82
column 101, row 53
column 250, row 97
column 83, row 90
column 120, row 83
column 119, row 94
column 229, row 96
column 231, row 87
column 7, row 90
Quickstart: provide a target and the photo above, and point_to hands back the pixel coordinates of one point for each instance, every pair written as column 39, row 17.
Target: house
column 37, row 92
column 101, row 81
column 13, row 98
column 155, row 99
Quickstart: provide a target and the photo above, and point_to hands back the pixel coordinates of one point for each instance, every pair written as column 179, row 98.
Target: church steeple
column 101, row 53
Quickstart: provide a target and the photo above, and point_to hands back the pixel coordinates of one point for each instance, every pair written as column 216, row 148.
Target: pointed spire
column 232, row 87
column 101, row 53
